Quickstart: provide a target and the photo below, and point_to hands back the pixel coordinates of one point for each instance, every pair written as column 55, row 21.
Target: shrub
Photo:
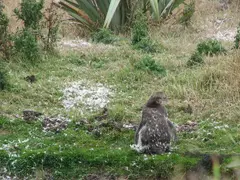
column 3, row 78
column 50, row 27
column 103, row 36
column 30, row 13
column 26, row 41
column 147, row 45
column 140, row 28
column 188, row 12
column 5, row 44
column 195, row 59
column 26, row 46
column 147, row 63
column 140, row 36
column 237, row 38
column 210, row 47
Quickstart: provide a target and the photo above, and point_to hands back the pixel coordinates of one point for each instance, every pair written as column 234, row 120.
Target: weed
column 3, row 78
column 147, row 45
column 211, row 47
column 210, row 79
column 117, row 113
column 188, row 12
column 26, row 40
column 147, row 63
column 140, row 28
column 51, row 25
column 26, row 46
column 195, row 59
column 104, row 36
column 97, row 62
column 5, row 44
column 30, row 13
column 76, row 60
column 237, row 38
column 140, row 36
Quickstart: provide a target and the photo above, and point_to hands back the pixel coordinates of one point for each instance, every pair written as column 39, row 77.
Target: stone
column 30, row 115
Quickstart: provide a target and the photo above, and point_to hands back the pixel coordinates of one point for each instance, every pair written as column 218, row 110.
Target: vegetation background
column 194, row 63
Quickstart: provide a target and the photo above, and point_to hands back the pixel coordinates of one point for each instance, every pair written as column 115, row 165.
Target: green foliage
column 237, row 38
column 117, row 113
column 50, row 27
column 195, row 59
column 147, row 63
column 140, row 28
column 147, row 45
column 91, row 15
column 76, row 60
column 3, row 78
column 26, row 46
column 97, row 62
column 188, row 12
column 140, row 37
column 94, row 14
column 3, row 22
column 5, row 44
column 30, row 13
column 162, row 8
column 26, row 41
column 103, row 35
column 77, row 152
column 210, row 47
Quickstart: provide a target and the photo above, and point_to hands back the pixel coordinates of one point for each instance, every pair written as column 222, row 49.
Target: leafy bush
column 26, row 41
column 147, row 63
column 140, row 37
column 195, row 59
column 26, row 45
column 103, row 36
column 237, row 38
column 147, row 45
column 30, row 13
column 50, row 27
column 210, row 47
column 188, row 12
column 5, row 44
column 3, row 78
column 140, row 28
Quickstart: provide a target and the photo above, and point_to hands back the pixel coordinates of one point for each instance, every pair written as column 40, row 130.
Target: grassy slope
column 212, row 90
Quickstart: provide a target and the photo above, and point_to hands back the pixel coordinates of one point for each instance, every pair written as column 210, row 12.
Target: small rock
column 30, row 115
column 91, row 177
column 187, row 127
column 103, row 115
column 56, row 124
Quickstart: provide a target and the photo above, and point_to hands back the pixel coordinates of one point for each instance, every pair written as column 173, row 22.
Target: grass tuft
column 148, row 64
column 211, row 47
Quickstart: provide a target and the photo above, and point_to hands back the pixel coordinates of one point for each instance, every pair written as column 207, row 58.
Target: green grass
column 212, row 90
column 28, row 148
